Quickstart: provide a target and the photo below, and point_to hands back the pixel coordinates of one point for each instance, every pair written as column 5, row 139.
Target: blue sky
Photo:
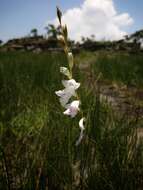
column 135, row 9
column 18, row 17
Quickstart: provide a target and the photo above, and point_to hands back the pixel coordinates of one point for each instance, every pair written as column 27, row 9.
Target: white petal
column 60, row 93
column 77, row 85
column 70, row 83
column 68, row 93
column 65, row 83
column 75, row 104
column 70, row 90
column 70, row 54
column 65, row 95
column 67, row 112
column 81, row 132
column 81, row 123
column 64, row 101
column 73, row 109
column 71, row 112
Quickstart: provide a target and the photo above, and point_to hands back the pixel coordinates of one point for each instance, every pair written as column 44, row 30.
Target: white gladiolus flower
column 81, row 126
column 65, row 95
column 71, row 83
column 69, row 91
column 72, row 109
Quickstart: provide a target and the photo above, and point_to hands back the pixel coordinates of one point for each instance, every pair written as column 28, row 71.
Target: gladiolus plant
column 70, row 85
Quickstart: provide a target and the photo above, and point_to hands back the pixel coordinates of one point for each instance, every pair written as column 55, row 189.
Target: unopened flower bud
column 59, row 14
column 61, row 39
column 65, row 31
column 65, row 71
column 70, row 59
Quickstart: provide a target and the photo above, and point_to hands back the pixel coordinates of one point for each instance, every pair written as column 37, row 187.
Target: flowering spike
column 70, row 85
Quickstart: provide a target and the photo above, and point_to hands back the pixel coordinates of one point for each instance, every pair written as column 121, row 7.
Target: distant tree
column 137, row 36
column 34, row 32
column 53, row 31
column 93, row 37
column 47, row 29
column 1, row 42
column 83, row 39
column 126, row 37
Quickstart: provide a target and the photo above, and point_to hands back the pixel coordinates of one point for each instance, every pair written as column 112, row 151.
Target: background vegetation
column 37, row 142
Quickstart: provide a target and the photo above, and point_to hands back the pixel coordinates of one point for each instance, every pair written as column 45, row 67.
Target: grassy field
column 37, row 142
column 120, row 67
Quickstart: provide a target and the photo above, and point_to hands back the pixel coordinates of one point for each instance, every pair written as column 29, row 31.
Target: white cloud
column 98, row 17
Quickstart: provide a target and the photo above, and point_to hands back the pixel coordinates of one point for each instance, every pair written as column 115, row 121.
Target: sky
column 106, row 19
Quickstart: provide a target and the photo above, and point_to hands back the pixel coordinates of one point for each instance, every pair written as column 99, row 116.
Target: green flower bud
column 70, row 59
column 65, row 31
column 61, row 40
column 65, row 71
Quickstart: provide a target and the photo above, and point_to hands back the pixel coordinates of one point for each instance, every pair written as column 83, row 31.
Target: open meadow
column 37, row 142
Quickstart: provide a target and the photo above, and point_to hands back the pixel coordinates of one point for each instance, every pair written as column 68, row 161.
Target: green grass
column 119, row 67
column 37, row 142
